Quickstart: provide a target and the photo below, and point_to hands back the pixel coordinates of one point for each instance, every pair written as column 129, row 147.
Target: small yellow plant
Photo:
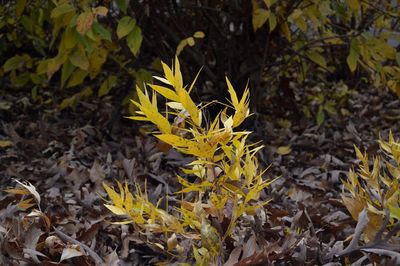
column 228, row 180
column 375, row 189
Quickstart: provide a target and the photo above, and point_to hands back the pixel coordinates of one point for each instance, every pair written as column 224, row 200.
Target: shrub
column 228, row 180
column 265, row 40
column 73, row 39
column 330, row 34
column 376, row 188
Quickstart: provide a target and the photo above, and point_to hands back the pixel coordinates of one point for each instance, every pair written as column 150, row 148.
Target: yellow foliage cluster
column 375, row 189
column 228, row 182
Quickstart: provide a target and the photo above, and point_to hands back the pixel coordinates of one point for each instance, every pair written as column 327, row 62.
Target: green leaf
column 97, row 59
column 107, row 85
column 125, row 26
column 352, row 59
column 398, row 58
column 103, row 32
column 15, row 62
column 54, row 64
column 122, row 5
column 320, row 116
column 272, row 22
column 260, row 16
column 134, row 40
column 68, row 102
column 317, row 58
column 61, row 9
column 284, row 150
column 77, row 77
column 353, row 4
column 66, row 72
column 79, row 59
column 19, row 7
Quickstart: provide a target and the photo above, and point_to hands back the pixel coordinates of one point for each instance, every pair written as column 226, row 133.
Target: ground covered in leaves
column 67, row 155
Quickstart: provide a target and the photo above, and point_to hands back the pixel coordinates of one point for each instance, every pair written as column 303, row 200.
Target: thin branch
column 360, row 227
column 393, row 231
column 91, row 253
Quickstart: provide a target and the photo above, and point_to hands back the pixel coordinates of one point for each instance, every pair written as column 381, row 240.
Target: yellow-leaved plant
column 228, row 180
column 376, row 188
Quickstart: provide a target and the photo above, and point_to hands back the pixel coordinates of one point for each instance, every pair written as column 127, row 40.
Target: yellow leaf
column 286, row 31
column 168, row 74
column 177, row 75
column 25, row 204
column 232, row 92
column 84, row 22
column 189, row 105
column 241, row 108
column 198, row 148
column 167, row 93
column 114, row 196
column 5, row 143
column 284, row 150
column 190, row 41
column 199, row 34
column 194, row 81
column 354, row 206
column 116, row 210
column 123, row 222
column 182, row 44
column 151, row 113
column 19, row 191
column 101, row 11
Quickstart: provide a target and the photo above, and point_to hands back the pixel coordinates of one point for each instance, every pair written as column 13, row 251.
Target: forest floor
column 67, row 155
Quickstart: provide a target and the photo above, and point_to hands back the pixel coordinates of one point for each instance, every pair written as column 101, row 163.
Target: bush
column 72, row 40
column 95, row 44
column 227, row 182
column 375, row 189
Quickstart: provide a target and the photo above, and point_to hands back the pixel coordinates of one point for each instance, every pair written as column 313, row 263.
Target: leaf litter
column 60, row 160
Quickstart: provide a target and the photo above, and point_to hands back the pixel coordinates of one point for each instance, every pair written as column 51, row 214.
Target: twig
column 378, row 243
column 393, row 231
column 383, row 227
column 91, row 253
